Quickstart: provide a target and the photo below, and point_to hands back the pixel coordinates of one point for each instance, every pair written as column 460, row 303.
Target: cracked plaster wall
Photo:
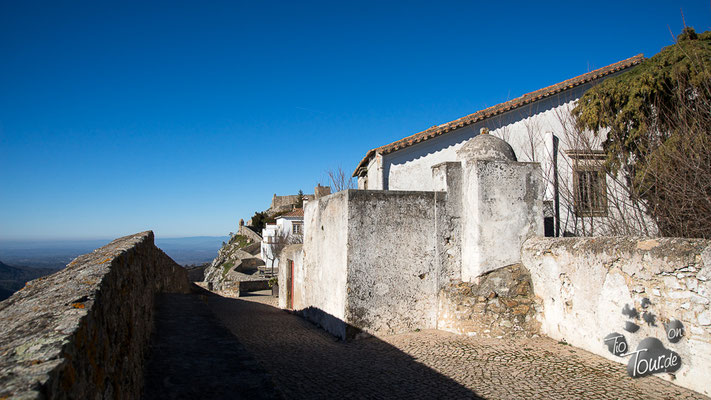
column 584, row 283
column 323, row 287
column 392, row 273
column 502, row 206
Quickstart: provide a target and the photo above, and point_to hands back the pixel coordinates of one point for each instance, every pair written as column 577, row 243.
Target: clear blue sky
column 183, row 117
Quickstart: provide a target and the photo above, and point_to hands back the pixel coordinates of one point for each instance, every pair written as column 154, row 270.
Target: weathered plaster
column 585, row 283
column 325, row 262
column 502, row 206
column 295, row 254
column 392, row 275
column 448, row 213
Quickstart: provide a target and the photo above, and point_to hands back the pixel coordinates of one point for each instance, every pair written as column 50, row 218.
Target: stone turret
column 486, row 147
column 502, row 204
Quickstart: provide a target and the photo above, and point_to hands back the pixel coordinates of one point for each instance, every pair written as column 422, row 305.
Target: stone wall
column 248, row 232
column 322, row 292
column 500, row 304
column 295, row 254
column 285, row 203
column 392, row 269
column 82, row 332
column 610, row 293
column 370, row 262
column 447, row 179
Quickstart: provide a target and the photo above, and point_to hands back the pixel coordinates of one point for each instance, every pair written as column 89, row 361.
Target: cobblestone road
column 307, row 363
column 193, row 356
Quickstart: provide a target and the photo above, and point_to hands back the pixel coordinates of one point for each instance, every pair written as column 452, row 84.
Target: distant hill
column 13, row 279
column 58, row 253
column 195, row 250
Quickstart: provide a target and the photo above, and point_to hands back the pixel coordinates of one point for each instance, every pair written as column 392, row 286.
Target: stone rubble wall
column 500, row 304
column 586, row 283
column 82, row 332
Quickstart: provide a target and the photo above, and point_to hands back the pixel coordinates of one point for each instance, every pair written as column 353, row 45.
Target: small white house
column 288, row 229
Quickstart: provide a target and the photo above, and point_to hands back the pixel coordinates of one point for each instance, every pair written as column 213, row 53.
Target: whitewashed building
column 288, row 229
column 540, row 128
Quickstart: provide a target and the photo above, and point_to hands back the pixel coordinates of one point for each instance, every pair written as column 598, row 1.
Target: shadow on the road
column 193, row 356
column 306, row 362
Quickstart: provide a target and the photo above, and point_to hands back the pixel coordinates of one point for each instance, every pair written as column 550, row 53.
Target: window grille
column 296, row 229
column 589, row 184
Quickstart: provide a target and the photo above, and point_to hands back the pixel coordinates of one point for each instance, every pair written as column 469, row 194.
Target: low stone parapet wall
column 234, row 288
column 82, row 332
column 642, row 302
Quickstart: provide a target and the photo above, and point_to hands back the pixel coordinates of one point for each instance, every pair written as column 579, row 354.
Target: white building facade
column 288, row 229
column 540, row 128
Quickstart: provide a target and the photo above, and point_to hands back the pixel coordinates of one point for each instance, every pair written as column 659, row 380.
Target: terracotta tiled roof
column 498, row 109
column 298, row 212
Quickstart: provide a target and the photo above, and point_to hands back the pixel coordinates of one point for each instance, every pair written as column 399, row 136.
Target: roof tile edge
column 500, row 108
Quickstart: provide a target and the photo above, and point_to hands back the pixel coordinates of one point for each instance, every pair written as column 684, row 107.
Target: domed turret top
column 486, row 147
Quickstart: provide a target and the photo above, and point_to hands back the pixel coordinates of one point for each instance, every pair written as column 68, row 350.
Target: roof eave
column 501, row 108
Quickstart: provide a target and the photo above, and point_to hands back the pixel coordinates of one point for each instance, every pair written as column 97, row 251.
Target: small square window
column 296, row 229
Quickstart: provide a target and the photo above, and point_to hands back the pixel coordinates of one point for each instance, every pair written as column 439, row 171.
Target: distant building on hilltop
column 288, row 202
column 288, row 229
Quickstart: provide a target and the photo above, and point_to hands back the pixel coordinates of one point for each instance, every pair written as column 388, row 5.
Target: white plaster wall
column 502, row 206
column 447, row 178
column 294, row 253
column 584, row 284
column 527, row 129
column 323, row 288
column 392, row 269
column 283, row 224
column 265, row 252
column 375, row 174
column 530, row 130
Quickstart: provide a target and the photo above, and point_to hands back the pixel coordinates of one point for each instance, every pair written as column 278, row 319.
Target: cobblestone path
column 193, row 356
column 307, row 363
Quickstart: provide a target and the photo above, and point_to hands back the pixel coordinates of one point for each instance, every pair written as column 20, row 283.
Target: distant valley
column 21, row 261
column 13, row 279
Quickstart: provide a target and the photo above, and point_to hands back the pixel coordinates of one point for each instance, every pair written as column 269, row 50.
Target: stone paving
column 193, row 356
column 307, row 363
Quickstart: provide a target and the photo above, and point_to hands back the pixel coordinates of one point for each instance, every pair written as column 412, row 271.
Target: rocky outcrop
column 82, row 332
column 237, row 261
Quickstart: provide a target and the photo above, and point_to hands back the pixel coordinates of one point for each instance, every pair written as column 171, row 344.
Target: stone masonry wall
column 285, row 203
column 82, row 332
column 620, row 294
column 247, row 231
column 500, row 304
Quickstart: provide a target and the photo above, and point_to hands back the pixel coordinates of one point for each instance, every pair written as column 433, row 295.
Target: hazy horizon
column 57, row 253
